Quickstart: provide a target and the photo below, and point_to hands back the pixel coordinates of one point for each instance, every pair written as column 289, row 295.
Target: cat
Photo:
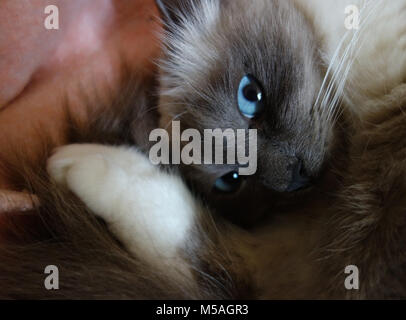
column 171, row 244
column 200, row 76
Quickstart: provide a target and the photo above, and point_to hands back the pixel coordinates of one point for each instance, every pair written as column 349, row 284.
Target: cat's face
column 246, row 65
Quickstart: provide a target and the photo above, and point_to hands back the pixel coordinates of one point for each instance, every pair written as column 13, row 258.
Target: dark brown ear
column 172, row 10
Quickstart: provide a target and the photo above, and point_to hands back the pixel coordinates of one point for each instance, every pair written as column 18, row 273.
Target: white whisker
column 336, row 82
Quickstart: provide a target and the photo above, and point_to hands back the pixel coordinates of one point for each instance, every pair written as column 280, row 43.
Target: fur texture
column 355, row 215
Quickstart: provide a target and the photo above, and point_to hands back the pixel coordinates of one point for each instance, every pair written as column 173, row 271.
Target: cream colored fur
column 151, row 212
column 380, row 53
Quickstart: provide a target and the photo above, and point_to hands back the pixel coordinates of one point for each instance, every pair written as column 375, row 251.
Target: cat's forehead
column 210, row 29
column 190, row 46
column 224, row 39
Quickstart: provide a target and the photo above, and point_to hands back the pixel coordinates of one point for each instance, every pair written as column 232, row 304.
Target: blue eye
column 251, row 98
column 229, row 183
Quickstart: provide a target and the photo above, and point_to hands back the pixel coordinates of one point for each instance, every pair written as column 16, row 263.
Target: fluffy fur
column 171, row 246
column 151, row 212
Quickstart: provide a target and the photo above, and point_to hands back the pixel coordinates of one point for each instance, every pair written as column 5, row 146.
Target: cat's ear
column 172, row 11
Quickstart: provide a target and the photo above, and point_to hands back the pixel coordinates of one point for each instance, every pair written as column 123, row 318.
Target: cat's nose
column 300, row 179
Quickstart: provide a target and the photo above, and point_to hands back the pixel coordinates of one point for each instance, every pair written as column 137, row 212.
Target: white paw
column 65, row 158
column 150, row 211
column 97, row 174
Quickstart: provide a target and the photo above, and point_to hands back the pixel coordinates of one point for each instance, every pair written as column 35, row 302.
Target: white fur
column 379, row 64
column 150, row 211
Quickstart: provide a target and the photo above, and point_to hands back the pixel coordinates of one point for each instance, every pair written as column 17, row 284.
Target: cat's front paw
column 150, row 211
column 68, row 157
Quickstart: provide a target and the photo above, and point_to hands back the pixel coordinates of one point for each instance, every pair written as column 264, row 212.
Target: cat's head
column 246, row 65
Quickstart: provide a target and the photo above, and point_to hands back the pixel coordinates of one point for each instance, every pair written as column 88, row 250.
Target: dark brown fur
column 368, row 228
